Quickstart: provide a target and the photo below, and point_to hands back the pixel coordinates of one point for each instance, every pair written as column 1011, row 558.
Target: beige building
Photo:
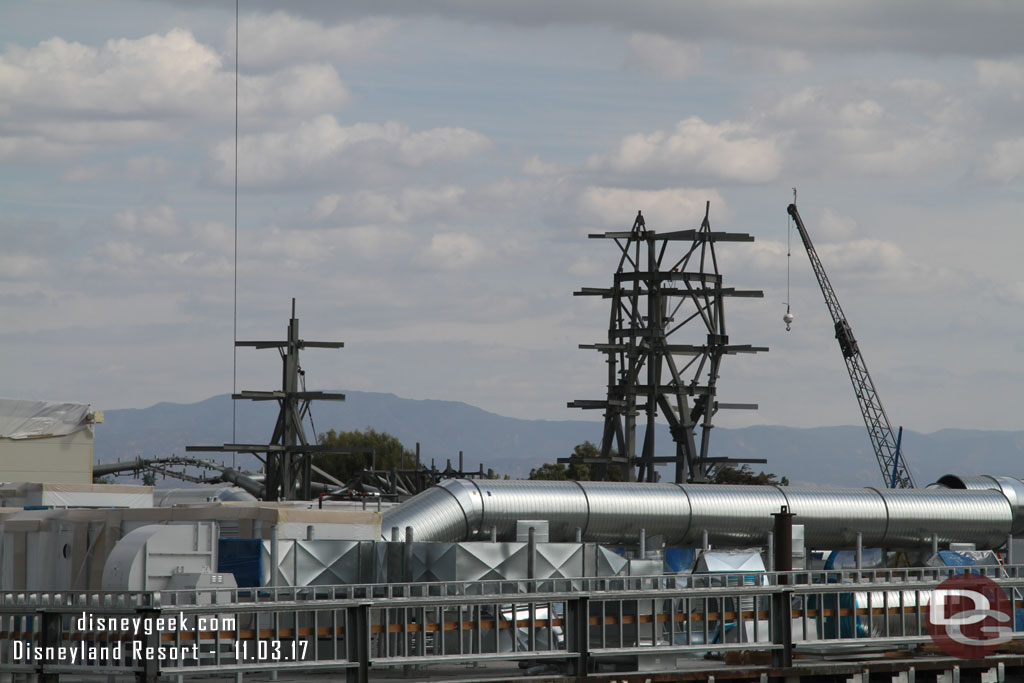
column 45, row 441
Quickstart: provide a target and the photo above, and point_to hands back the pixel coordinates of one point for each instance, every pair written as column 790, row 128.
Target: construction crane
column 886, row 444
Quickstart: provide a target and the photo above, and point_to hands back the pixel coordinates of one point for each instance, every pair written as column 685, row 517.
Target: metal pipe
column 531, row 554
column 275, row 555
column 407, row 555
column 612, row 512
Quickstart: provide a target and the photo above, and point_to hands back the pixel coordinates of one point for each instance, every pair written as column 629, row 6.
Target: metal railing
column 566, row 623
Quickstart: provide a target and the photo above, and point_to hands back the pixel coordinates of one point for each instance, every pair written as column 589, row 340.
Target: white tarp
column 20, row 419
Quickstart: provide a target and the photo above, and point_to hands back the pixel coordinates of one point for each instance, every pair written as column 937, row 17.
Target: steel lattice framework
column 886, row 445
column 656, row 293
column 288, row 462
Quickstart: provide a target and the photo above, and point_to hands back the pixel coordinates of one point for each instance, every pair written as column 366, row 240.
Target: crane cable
column 234, row 306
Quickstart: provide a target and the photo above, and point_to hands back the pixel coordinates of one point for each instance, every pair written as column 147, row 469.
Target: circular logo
column 969, row 616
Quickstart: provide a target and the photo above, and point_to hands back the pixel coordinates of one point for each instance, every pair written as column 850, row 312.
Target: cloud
column 408, row 204
column 847, row 128
column 21, row 266
column 535, row 166
column 159, row 221
column 994, row 73
column 36, row 149
column 148, row 167
column 157, row 73
column 726, row 151
column 832, row 226
column 1005, row 161
column 774, row 59
column 130, row 90
column 928, row 27
column 452, row 251
column 669, row 209
column 269, row 40
column 311, row 151
column 86, row 174
column 670, row 59
column 586, row 266
column 296, row 90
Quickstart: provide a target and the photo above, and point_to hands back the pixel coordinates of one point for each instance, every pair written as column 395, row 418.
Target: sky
column 422, row 177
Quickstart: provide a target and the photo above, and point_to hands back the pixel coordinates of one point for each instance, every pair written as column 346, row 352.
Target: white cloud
column 921, row 88
column 832, row 226
column 35, row 149
column 1005, row 161
column 297, row 90
column 409, row 204
column 213, row 236
column 774, row 59
column 585, row 266
column 1010, row 293
column 668, row 58
column 535, row 166
column 160, row 221
column 148, row 167
column 129, row 90
column 269, row 40
column 166, row 73
column 452, row 251
column 86, row 174
column 866, row 256
column 994, row 73
column 307, row 153
column 19, row 266
column 669, row 209
column 842, row 128
column 725, row 151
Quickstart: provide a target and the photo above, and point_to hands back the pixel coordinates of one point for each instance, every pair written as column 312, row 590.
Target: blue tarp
column 241, row 557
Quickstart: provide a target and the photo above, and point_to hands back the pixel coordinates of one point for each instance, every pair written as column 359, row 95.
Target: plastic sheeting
column 21, row 419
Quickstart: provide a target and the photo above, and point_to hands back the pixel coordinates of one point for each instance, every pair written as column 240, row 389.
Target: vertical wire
column 234, row 329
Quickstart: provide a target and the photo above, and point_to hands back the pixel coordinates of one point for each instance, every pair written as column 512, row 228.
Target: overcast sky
column 421, row 177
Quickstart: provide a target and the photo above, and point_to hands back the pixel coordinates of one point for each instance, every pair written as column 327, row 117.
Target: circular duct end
column 1013, row 489
column 970, row 483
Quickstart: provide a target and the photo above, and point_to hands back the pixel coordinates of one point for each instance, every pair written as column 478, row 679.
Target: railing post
column 577, row 612
column 782, row 615
column 357, row 644
column 50, row 633
column 150, row 671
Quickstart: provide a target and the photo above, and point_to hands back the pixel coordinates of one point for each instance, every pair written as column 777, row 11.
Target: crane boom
column 885, row 444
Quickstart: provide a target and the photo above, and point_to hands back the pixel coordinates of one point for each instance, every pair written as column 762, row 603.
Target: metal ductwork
column 979, row 510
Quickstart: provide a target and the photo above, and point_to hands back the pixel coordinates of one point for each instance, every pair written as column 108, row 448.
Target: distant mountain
column 839, row 456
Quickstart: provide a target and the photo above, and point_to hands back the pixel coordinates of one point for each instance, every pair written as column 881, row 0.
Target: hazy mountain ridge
column 839, row 456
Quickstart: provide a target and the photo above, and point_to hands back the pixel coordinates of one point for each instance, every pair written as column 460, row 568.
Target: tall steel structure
column 885, row 443
column 288, row 462
column 658, row 290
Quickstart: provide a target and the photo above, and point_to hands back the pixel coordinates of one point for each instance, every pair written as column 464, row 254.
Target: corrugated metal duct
column 609, row 512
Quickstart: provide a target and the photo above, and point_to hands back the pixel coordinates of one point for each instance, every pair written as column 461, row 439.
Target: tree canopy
column 745, row 475
column 575, row 471
column 381, row 448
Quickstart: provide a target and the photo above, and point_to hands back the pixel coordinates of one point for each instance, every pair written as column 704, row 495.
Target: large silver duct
column 608, row 512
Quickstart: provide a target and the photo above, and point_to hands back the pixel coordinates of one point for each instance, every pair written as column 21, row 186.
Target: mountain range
column 839, row 456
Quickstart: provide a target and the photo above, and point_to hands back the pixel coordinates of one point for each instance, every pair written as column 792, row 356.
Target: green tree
column 574, row 471
column 366, row 447
column 744, row 475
